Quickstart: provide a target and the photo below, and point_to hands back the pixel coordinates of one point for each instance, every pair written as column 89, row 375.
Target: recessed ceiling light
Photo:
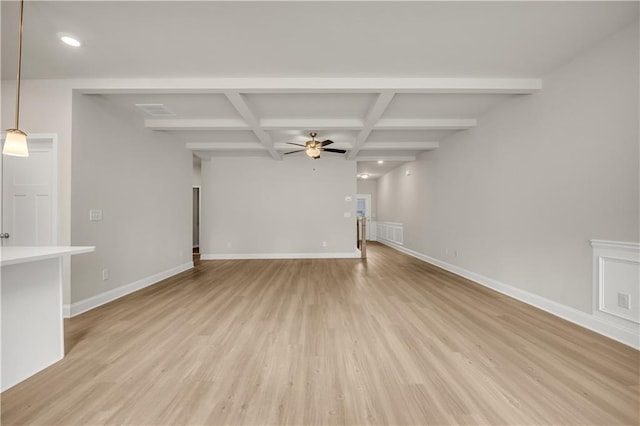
column 364, row 176
column 380, row 161
column 69, row 40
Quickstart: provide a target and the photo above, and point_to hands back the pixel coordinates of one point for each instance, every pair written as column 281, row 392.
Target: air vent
column 155, row 110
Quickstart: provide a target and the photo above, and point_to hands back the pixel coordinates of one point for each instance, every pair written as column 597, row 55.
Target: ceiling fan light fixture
column 313, row 148
column 313, row 152
column 15, row 143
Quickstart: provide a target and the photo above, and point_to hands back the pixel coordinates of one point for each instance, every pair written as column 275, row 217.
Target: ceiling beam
column 239, row 102
column 400, row 145
column 385, row 157
column 373, row 116
column 223, row 146
column 207, row 155
column 425, row 123
column 308, row 85
column 196, row 124
column 311, row 124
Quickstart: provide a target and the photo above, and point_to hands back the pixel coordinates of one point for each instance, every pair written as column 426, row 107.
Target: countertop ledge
column 15, row 255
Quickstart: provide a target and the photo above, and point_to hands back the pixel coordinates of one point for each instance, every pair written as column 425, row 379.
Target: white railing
column 390, row 231
column 361, row 239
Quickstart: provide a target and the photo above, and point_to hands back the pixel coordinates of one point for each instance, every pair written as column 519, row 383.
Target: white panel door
column 27, row 197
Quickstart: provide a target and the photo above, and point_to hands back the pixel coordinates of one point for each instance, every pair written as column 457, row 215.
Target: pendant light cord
column 19, row 65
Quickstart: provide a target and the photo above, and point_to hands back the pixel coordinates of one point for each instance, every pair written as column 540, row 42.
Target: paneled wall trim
column 390, row 231
column 616, row 281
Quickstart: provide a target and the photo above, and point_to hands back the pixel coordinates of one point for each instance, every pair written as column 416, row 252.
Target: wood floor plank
column 390, row 340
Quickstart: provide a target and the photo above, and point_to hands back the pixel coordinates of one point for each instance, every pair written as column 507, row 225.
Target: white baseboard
column 628, row 336
column 116, row 293
column 230, row 256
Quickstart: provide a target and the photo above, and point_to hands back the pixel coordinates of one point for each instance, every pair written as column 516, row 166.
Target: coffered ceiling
column 382, row 79
column 388, row 119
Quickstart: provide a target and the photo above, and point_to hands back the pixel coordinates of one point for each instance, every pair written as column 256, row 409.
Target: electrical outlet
column 324, row 244
column 623, row 301
column 455, row 253
column 105, row 274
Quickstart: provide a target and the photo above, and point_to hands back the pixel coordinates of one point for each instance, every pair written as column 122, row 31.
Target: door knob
column 5, row 235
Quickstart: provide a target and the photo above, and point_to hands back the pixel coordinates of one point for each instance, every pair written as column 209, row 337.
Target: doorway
column 29, row 195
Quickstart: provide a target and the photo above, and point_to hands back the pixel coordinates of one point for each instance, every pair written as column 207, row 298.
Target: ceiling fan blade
column 293, row 152
column 325, row 143
column 297, row 144
column 339, row 151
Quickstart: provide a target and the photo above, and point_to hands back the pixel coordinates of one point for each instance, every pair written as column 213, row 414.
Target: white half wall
column 518, row 198
column 257, row 207
column 141, row 181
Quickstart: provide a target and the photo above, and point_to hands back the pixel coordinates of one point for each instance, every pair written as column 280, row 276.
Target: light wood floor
column 388, row 341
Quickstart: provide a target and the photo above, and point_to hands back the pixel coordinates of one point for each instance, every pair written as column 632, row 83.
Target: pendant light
column 16, row 140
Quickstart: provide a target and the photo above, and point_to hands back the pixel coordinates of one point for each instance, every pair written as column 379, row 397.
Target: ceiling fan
column 313, row 147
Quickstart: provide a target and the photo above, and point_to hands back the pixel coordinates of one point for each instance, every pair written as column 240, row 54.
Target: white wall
column 197, row 174
column 141, row 180
column 370, row 186
column 254, row 206
column 520, row 196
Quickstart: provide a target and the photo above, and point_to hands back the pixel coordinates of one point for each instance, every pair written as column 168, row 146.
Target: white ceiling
column 286, row 39
column 375, row 170
column 383, row 80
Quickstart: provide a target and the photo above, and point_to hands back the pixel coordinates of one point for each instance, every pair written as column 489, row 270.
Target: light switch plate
column 347, row 198
column 95, row 215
